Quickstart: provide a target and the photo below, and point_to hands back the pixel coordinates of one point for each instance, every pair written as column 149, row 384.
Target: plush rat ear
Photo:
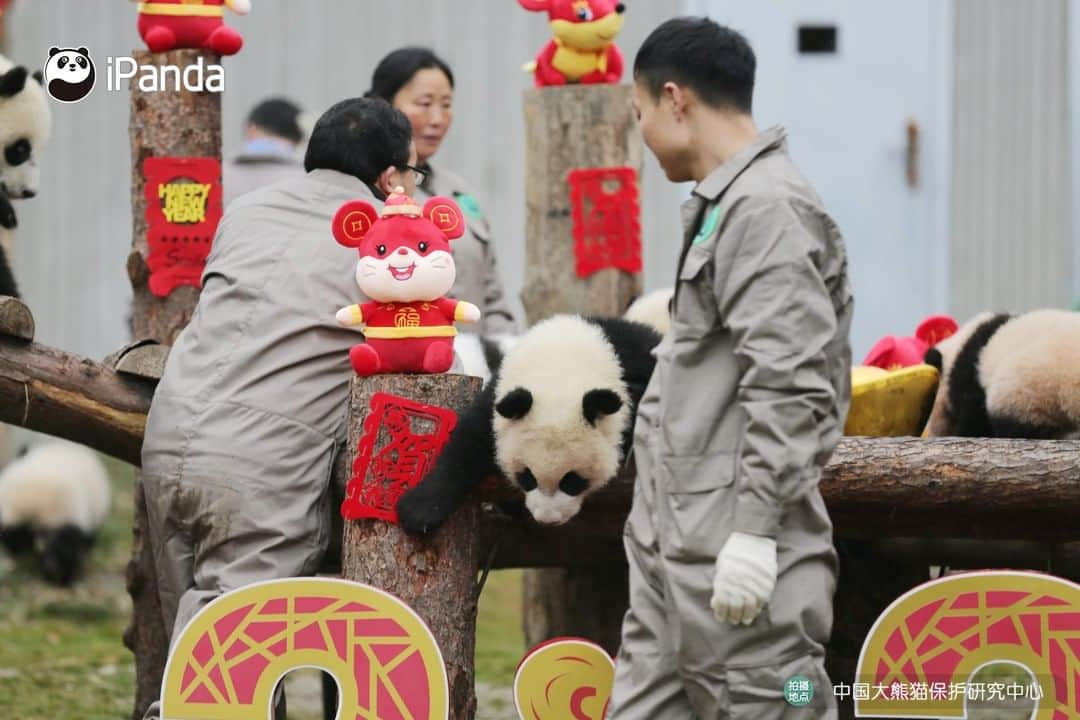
column 535, row 5
column 445, row 215
column 352, row 221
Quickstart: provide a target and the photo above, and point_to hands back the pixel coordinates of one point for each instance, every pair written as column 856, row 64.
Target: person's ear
column 676, row 98
column 387, row 180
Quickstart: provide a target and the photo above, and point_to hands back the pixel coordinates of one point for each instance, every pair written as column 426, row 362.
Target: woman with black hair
column 421, row 85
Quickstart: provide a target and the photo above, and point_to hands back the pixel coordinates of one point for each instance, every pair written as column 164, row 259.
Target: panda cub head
column 561, row 408
column 25, row 123
column 69, row 73
column 53, row 501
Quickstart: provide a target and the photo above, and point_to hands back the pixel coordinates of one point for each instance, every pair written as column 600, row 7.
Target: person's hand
column 745, row 578
column 469, row 312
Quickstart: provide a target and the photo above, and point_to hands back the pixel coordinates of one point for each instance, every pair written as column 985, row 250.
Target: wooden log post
column 166, row 123
column 436, row 575
column 577, row 126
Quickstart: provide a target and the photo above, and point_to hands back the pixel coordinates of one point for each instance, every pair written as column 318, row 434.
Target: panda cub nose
column 620, row 8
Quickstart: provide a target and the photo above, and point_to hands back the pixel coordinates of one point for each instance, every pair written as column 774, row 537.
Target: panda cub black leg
column 1003, row 426
column 8, row 221
column 7, row 278
column 466, row 460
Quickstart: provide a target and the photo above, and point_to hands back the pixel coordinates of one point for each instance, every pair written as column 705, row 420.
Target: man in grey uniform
column 244, row 425
column 732, row 567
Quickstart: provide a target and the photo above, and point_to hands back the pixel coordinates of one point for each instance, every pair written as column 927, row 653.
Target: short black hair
column 714, row 61
column 399, row 67
column 278, row 116
column 360, row 137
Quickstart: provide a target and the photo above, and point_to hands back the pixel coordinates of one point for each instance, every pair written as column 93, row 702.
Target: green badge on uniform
column 798, row 691
column 468, row 205
column 708, row 227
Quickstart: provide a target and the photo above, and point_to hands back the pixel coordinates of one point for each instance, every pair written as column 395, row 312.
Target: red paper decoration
column 606, row 219
column 416, row 434
column 183, row 207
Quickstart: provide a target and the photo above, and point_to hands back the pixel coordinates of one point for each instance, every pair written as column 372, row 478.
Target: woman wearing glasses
column 417, row 82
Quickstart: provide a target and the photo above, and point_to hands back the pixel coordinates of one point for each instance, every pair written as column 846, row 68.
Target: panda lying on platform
column 53, row 503
column 1009, row 376
column 555, row 419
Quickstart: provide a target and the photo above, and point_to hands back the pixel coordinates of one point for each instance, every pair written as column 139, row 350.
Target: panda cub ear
column 515, row 404
column 600, row 401
column 13, row 81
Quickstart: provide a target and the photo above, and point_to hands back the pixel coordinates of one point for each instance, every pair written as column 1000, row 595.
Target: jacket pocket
column 699, row 502
column 694, row 311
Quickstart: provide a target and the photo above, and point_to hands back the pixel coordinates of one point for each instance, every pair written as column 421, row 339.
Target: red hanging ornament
column 413, row 436
column 606, row 219
column 183, row 208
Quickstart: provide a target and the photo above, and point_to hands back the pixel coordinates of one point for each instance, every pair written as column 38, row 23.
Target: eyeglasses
column 420, row 175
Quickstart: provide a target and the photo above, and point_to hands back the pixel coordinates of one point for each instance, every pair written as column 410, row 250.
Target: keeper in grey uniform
column 240, row 440
column 732, row 566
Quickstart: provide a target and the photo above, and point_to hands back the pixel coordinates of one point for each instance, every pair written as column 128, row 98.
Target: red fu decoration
column 183, row 207
column 415, row 434
column 606, row 219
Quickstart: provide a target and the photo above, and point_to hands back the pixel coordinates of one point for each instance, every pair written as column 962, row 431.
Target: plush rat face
column 405, row 254
column 581, row 24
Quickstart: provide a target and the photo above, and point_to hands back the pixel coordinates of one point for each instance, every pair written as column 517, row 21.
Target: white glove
column 745, row 578
column 240, row 7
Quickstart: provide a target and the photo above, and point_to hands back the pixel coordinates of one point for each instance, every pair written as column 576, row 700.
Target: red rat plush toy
column 582, row 49
column 171, row 24
column 893, row 352
column 405, row 268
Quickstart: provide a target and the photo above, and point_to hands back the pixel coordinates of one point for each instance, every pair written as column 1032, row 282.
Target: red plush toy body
column 171, row 24
column 405, row 268
column 582, row 49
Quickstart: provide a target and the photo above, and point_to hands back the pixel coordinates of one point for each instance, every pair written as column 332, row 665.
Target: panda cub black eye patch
column 526, row 480
column 573, row 484
column 17, row 152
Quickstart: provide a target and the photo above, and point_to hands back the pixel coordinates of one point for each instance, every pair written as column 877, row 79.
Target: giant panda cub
column 1009, row 376
column 53, row 502
column 25, row 122
column 555, row 420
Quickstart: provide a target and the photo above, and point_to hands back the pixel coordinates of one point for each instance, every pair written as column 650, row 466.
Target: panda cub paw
column 7, row 214
column 423, row 508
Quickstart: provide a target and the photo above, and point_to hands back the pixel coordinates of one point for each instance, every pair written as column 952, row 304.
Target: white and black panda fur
column 25, row 123
column 652, row 309
column 479, row 355
column 1009, row 376
column 555, row 419
column 53, row 502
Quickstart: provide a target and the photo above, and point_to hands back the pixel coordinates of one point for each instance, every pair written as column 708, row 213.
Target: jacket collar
column 714, row 185
column 351, row 185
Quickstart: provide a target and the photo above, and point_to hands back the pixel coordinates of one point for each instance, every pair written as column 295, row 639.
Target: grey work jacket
column 753, row 383
column 257, row 384
column 478, row 278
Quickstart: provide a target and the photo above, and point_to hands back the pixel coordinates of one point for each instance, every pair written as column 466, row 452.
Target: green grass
column 61, row 653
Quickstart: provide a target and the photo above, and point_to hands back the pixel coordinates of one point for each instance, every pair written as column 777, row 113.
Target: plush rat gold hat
column 400, row 204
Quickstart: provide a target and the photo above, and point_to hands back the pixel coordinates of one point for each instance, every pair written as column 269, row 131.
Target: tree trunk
column 435, row 574
column 163, row 124
column 577, row 126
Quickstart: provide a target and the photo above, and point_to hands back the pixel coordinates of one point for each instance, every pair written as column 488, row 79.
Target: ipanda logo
column 70, row 75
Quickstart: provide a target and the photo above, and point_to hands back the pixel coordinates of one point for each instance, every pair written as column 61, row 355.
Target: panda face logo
column 69, row 74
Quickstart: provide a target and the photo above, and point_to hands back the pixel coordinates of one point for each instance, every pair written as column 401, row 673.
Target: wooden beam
column 72, row 397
